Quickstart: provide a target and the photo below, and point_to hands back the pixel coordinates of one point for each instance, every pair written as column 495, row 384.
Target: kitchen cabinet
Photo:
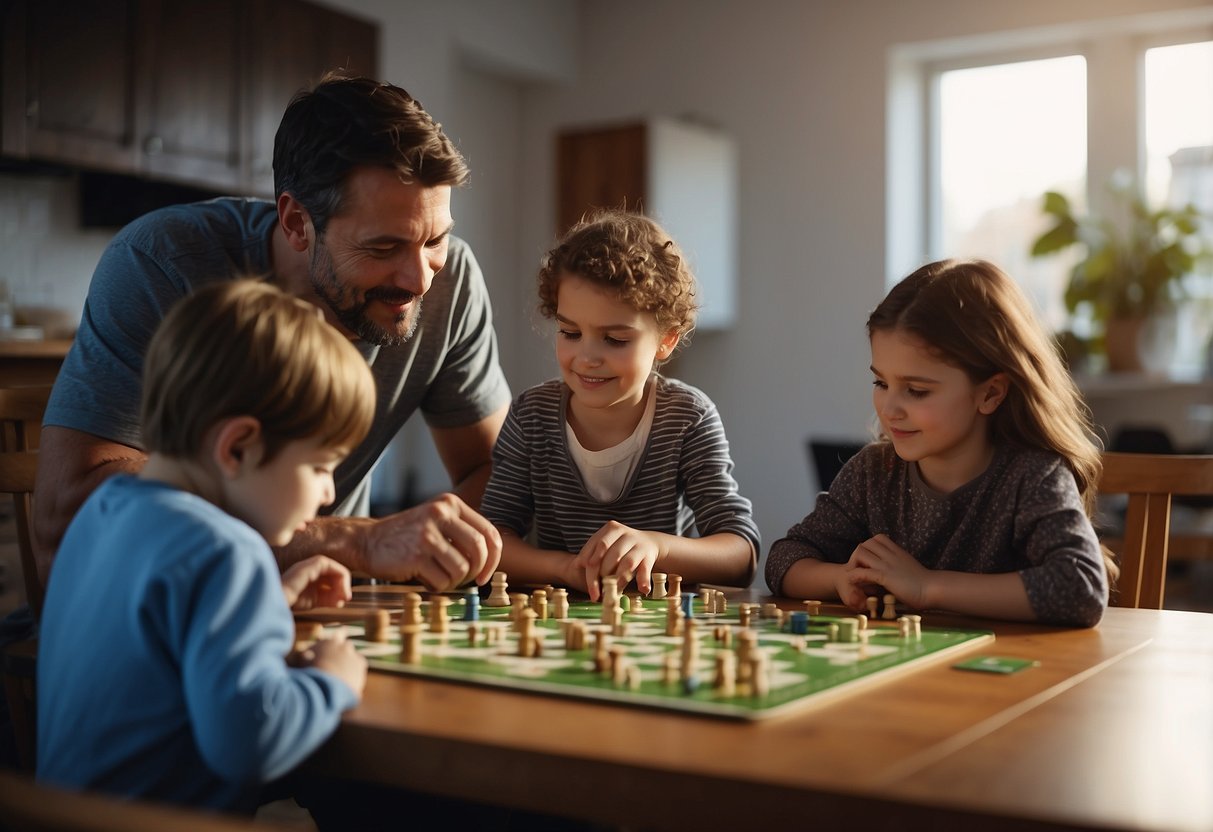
column 682, row 174
column 187, row 91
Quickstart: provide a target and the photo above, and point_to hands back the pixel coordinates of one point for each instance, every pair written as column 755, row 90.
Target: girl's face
column 933, row 413
column 605, row 348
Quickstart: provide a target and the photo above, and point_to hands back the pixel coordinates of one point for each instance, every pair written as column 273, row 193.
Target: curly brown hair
column 631, row 255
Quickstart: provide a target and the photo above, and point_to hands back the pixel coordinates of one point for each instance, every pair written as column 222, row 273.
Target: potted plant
column 1132, row 270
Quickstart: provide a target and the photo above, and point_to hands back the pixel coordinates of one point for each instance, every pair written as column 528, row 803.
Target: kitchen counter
column 26, row 363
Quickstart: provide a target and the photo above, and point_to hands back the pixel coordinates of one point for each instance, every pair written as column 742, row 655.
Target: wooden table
column 1114, row 730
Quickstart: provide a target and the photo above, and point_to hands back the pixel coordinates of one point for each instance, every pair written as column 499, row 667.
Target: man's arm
column 467, row 454
column 70, row 465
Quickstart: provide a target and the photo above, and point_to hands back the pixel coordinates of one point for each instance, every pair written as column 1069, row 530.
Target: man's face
column 379, row 255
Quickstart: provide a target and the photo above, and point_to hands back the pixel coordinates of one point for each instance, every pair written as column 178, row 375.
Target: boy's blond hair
column 245, row 348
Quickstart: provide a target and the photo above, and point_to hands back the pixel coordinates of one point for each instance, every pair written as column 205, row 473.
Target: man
column 361, row 228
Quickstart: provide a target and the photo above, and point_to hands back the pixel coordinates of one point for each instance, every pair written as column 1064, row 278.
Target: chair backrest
column 828, row 456
column 1150, row 480
column 21, row 410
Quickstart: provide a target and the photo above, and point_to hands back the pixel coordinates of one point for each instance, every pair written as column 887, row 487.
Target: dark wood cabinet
column 69, row 75
column 304, row 47
column 187, row 91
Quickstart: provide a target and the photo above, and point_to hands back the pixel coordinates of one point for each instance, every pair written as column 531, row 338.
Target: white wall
column 802, row 87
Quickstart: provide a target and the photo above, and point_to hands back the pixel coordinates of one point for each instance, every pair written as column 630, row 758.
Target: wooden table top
column 1113, row 730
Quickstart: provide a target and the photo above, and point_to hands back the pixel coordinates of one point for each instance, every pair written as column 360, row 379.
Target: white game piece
column 526, row 637
column 675, row 587
column 890, row 608
column 873, row 606
column 658, row 590
column 438, row 616
column 560, row 603
column 498, row 597
column 726, row 673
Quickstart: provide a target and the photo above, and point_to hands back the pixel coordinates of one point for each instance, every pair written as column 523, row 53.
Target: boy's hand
column 443, row 543
column 317, row 581
column 881, row 562
column 619, row 550
column 337, row 656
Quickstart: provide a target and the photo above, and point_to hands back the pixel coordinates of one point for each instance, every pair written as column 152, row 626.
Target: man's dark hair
column 346, row 122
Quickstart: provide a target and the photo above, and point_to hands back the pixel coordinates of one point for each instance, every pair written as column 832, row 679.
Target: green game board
column 816, row 674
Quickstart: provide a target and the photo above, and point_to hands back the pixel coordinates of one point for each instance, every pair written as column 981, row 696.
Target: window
column 1008, row 133
column 981, row 126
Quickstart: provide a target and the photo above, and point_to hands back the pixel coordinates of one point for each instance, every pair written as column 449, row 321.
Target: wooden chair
column 1150, row 480
column 26, row 806
column 21, row 411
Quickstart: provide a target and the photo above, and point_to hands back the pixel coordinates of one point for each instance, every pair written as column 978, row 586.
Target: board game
column 779, row 661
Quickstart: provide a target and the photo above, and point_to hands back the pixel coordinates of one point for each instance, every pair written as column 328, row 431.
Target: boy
column 162, row 671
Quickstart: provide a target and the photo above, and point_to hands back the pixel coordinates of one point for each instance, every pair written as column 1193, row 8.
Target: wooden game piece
column 770, row 610
column 847, row 628
column 832, row 632
column 915, row 622
column 903, row 627
column 618, row 664
column 412, row 610
column 631, row 677
column 410, row 643
column 539, row 603
column 814, row 607
column 747, row 645
column 498, row 597
column 722, row 603
column 471, row 605
column 658, row 589
column 675, row 586
column 537, row 646
column 890, row 608
column 690, row 647
column 560, row 604
column 548, row 589
column 473, row 632
column 863, row 621
column 705, row 599
column 760, row 678
column 673, row 618
column 518, row 603
column 873, row 606
column 307, row 632
column 798, row 644
column 726, row 673
column 744, row 614
column 438, row 616
column 610, row 599
column 376, row 625
column 635, row 603
column 526, row 633
column 601, row 661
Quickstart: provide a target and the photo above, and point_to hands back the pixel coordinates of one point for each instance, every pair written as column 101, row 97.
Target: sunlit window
column 1006, row 134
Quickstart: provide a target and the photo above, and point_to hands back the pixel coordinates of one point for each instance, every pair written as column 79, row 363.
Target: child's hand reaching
column 316, row 582
column 338, row 657
column 881, row 562
column 619, row 550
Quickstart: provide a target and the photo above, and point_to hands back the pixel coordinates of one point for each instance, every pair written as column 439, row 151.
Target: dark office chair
column 827, row 456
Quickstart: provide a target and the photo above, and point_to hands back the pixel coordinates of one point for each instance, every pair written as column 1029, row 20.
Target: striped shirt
column 684, row 481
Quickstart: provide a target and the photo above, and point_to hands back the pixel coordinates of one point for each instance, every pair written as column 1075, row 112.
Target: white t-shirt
column 606, row 472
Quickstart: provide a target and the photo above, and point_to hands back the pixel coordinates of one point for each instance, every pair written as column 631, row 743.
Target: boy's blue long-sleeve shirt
column 161, row 670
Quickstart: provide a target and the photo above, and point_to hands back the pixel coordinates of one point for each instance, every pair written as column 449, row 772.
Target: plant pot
column 1144, row 343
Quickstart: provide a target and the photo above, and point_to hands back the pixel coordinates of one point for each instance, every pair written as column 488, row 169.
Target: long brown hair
column 972, row 315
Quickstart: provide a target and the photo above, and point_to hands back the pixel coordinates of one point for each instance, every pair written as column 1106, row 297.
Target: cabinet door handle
column 153, row 145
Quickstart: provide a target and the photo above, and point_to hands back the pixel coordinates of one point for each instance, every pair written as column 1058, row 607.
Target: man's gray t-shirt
column 449, row 368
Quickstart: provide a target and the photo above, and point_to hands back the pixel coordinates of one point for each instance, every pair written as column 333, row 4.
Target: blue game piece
column 471, row 606
column 800, row 623
column 690, row 684
column 688, row 601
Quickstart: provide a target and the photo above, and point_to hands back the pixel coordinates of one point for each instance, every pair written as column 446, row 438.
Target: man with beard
column 361, row 228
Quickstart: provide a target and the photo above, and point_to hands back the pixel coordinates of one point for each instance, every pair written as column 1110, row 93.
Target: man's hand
column 442, row 542
column 316, row 582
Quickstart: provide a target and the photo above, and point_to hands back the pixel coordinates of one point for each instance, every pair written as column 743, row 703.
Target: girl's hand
column 618, row 550
column 881, row 562
column 316, row 582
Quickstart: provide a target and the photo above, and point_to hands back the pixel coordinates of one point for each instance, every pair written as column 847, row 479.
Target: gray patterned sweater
column 1022, row 514
column 684, row 481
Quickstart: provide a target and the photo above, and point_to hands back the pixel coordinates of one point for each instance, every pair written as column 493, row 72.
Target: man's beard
column 350, row 310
